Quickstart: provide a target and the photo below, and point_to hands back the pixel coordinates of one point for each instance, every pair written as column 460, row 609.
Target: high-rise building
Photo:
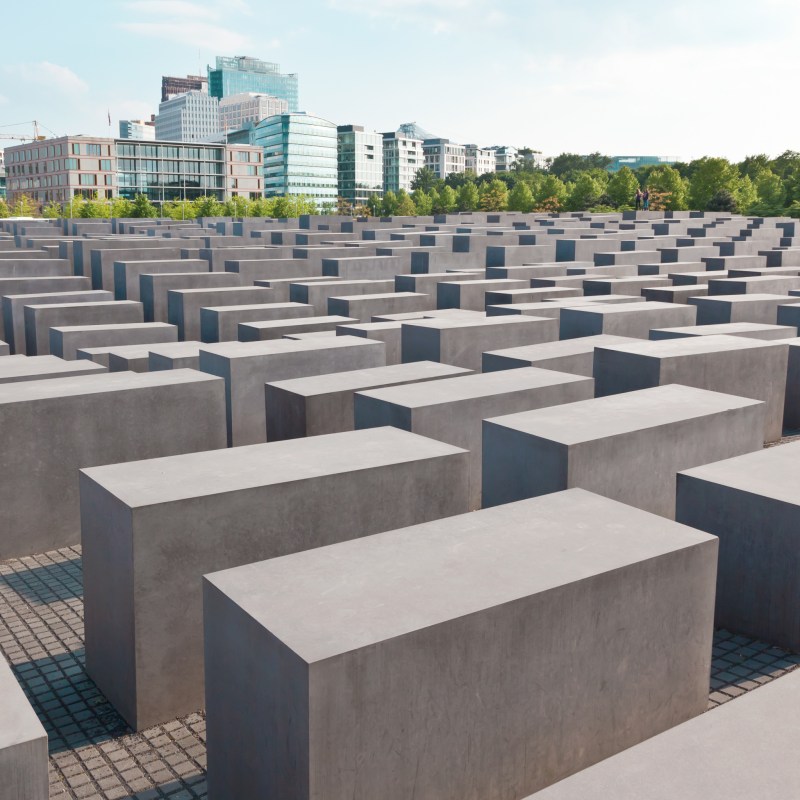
column 56, row 170
column 248, row 109
column 242, row 74
column 360, row 164
column 300, row 156
column 444, row 157
column 172, row 86
column 138, row 128
column 479, row 160
column 402, row 159
column 190, row 117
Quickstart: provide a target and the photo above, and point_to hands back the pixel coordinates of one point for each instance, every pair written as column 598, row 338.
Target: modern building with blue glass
column 633, row 162
column 241, row 74
column 300, row 156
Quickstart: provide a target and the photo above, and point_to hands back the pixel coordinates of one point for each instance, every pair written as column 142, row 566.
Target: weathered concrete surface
column 37, row 368
column 459, row 641
column 453, row 409
column 731, row 364
column 626, row 319
column 184, row 305
column 752, row 503
column 154, row 289
column 185, row 516
column 750, row 330
column 52, row 428
column 277, row 328
column 220, row 323
column 66, row 341
column 641, row 439
column 739, row 752
column 387, row 332
column 177, row 355
column 761, row 308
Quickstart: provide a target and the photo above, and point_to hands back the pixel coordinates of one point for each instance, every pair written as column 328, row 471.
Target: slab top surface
column 694, row 345
column 19, row 365
column 335, row 599
column 565, row 347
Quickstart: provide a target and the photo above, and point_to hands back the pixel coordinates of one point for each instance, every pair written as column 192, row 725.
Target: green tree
column 405, row 205
column 447, row 201
column 494, row 195
column 390, row 204
column 745, row 193
column 771, row 191
column 94, row 208
column 552, row 191
column 179, row 209
column 666, row 180
column 121, row 208
column 375, row 205
column 723, row 200
column 622, row 187
column 283, row 208
column 4, row 211
column 520, row 198
column 142, row 208
column 586, row 192
column 50, row 211
column 754, row 166
column 236, row 206
column 422, row 202
column 425, row 179
column 208, row 206
column 786, row 163
column 794, row 210
column 568, row 165
column 710, row 176
column 468, row 197
column 23, row 206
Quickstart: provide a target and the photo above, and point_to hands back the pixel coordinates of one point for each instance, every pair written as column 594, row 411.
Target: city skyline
column 614, row 81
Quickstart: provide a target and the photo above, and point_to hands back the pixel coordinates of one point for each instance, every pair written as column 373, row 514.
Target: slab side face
column 448, row 653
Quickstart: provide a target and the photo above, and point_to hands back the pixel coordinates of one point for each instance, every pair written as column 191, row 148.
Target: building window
column 88, row 180
column 76, row 149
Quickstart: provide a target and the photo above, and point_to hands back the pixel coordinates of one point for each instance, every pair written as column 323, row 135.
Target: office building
column 506, row 157
column 240, row 111
column 56, row 170
column 618, row 162
column 402, row 159
column 243, row 74
column 444, row 157
column 360, row 156
column 190, row 117
column 479, row 160
column 300, row 157
column 138, row 129
column 172, row 86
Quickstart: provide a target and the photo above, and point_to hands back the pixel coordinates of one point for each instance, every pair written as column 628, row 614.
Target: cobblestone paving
column 93, row 753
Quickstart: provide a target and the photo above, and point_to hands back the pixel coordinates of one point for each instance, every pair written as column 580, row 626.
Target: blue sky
column 686, row 79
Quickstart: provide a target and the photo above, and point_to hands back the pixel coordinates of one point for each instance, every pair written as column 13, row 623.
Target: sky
column 681, row 79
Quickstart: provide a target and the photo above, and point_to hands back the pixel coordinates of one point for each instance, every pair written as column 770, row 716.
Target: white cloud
column 196, row 34
column 53, row 76
column 172, row 8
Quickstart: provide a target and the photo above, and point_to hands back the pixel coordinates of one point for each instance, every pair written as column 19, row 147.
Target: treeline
column 758, row 186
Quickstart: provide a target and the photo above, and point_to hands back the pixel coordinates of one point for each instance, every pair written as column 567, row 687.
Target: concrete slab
column 750, row 330
column 719, row 309
column 184, row 305
column 66, row 341
column 626, row 319
column 221, row 323
column 37, row 368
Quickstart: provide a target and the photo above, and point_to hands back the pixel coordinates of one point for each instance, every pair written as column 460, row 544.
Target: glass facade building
column 300, row 156
column 242, row 74
column 402, row 159
column 190, row 117
column 618, row 162
column 360, row 164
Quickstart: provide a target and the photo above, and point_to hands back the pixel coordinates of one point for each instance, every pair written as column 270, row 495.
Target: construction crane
column 37, row 137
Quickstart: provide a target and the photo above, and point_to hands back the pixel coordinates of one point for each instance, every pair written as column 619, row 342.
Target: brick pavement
column 94, row 754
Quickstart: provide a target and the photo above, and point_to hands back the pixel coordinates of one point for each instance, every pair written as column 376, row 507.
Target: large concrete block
column 52, row 428
column 452, row 410
column 469, row 644
column 624, row 319
column 247, row 366
column 387, row 332
column 155, row 288
column 626, row 286
column 127, row 273
column 772, row 284
column 184, row 305
column 40, row 318
column 317, row 293
column 575, row 356
column 363, row 267
column 752, row 503
column 696, row 278
column 229, row 507
column 277, row 328
column 102, row 260
column 36, row 368
column 66, row 341
column 739, row 308
column 280, row 286
column 750, row 330
column 221, row 324
column 731, row 364
column 674, row 294
column 518, row 296
column 14, row 311
column 364, row 306
column 463, row 342
column 628, row 447
column 118, row 358
column 177, row 355
column 732, row 754
column 324, row 403
column 23, row 744
column 471, row 295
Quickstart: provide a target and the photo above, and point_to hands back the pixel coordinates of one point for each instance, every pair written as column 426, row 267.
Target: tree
column 178, row 209
column 520, row 198
column 447, row 201
column 468, row 198
column 771, row 191
column 121, row 208
column 585, row 193
column 4, row 211
column 552, row 193
column 283, row 208
column 667, row 181
column 723, row 200
column 710, row 177
column 375, row 205
column 236, row 206
column 493, row 195
column 405, row 205
column 389, row 204
column 753, row 166
column 208, row 206
column 142, row 208
column 425, row 179
column 50, row 211
column 568, row 165
column 423, row 203
column 787, row 162
column 22, row 206
column 94, row 208
column 622, row 187
column 745, row 194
